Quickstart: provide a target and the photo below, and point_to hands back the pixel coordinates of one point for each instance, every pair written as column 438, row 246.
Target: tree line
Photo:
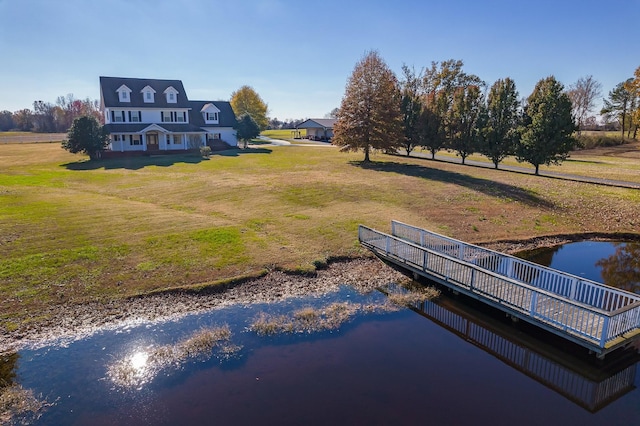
column 50, row 118
column 443, row 107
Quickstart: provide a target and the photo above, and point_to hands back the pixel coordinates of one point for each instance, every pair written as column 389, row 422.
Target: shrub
column 205, row 151
column 596, row 141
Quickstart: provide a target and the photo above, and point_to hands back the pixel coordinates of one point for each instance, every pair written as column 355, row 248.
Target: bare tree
column 583, row 94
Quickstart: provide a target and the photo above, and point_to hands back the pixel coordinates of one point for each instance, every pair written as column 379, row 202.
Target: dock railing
column 586, row 312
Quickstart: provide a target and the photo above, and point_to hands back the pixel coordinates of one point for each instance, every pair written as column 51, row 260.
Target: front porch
column 155, row 139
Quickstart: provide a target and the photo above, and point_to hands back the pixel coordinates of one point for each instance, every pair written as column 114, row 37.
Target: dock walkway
column 591, row 314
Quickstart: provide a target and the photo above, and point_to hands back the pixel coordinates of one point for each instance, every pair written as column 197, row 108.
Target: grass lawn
column 284, row 134
column 621, row 162
column 73, row 231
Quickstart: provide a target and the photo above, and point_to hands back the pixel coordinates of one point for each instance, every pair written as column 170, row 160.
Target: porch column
column 144, row 141
column 184, row 141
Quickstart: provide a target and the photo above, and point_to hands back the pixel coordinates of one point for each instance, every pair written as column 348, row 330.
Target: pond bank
column 72, row 322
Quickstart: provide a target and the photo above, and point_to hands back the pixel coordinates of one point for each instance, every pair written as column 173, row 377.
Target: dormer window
column 123, row 94
column 171, row 94
column 210, row 113
column 148, row 94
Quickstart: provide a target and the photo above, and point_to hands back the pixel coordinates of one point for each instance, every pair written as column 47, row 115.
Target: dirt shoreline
column 72, row 322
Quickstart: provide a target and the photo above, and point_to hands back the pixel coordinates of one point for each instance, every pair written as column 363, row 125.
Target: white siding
column 227, row 134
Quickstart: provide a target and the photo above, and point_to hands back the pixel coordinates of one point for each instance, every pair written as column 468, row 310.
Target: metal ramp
column 591, row 314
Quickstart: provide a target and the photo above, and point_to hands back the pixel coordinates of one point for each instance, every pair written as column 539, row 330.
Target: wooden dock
column 591, row 314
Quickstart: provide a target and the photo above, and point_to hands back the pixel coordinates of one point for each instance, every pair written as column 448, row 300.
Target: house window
column 171, row 96
column 123, row 93
column 117, row 116
column 174, row 138
column 148, row 95
column 212, row 116
column 135, row 116
column 135, row 140
column 173, row 116
column 117, row 138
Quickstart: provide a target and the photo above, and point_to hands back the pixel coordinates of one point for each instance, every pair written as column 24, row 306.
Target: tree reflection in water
column 8, row 367
column 622, row 269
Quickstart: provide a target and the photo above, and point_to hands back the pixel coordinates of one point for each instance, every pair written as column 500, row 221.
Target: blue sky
column 298, row 54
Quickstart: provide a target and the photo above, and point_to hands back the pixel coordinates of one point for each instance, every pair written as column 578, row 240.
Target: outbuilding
column 318, row 129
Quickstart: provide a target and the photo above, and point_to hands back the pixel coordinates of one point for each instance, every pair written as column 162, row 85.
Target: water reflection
column 8, row 367
column 135, row 369
column 622, row 269
column 17, row 405
column 591, row 385
column 616, row 264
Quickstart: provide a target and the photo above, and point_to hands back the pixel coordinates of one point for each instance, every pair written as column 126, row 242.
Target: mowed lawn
column 73, row 231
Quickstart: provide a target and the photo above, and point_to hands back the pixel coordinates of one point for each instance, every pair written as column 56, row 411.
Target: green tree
column 246, row 129
column 369, row 117
column 619, row 104
column 499, row 122
column 440, row 84
column 247, row 101
column 466, row 108
column 429, row 129
column 547, row 133
column 86, row 135
column 411, row 107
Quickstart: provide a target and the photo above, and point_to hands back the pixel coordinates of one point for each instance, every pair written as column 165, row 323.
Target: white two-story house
column 156, row 115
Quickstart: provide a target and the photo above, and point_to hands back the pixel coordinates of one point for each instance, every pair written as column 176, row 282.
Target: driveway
column 530, row 171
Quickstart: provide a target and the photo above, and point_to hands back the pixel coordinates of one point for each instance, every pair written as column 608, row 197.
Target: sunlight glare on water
column 139, row 361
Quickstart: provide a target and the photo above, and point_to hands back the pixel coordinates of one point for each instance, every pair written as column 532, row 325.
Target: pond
column 346, row 357
column 616, row 264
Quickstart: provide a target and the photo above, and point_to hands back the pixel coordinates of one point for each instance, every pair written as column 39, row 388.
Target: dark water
column 616, row 264
column 444, row 362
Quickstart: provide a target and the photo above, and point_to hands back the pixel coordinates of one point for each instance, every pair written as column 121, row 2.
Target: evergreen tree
column 369, row 117
column 499, row 122
column 246, row 129
column 88, row 136
column 547, row 133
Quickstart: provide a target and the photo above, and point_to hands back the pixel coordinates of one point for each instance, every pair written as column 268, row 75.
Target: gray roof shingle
column 226, row 117
column 314, row 123
column 109, row 96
